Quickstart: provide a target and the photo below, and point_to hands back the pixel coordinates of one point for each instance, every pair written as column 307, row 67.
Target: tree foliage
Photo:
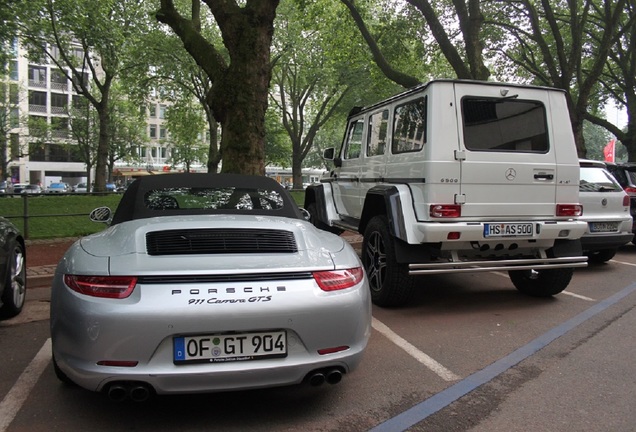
column 88, row 41
column 239, row 71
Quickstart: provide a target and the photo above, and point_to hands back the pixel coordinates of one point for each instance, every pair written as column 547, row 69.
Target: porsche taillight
column 334, row 280
column 117, row 287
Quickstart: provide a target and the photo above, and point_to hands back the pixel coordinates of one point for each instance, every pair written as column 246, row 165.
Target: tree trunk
column 214, row 155
column 297, row 171
column 101, row 163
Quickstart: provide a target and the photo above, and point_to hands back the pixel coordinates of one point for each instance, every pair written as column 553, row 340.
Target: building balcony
column 59, row 110
column 59, row 86
column 33, row 83
column 37, row 108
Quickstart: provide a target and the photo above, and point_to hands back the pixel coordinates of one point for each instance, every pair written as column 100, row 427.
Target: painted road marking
column 441, row 400
column 418, row 355
column 13, row 401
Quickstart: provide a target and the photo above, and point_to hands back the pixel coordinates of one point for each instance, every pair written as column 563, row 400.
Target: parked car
column 12, row 270
column 207, row 282
column 625, row 174
column 19, row 187
column 457, row 176
column 32, row 189
column 80, row 188
column 6, row 187
column 59, row 187
column 606, row 211
column 111, row 187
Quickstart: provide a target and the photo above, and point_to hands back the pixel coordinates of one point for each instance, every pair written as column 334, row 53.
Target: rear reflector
column 332, row 350
column 626, row 201
column 569, row 210
column 117, row 287
column 333, row 280
column 445, row 210
column 119, row 363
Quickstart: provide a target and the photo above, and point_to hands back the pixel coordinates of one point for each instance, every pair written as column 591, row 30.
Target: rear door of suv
column 508, row 160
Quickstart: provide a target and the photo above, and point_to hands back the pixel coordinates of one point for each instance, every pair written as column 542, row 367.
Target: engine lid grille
column 220, row 241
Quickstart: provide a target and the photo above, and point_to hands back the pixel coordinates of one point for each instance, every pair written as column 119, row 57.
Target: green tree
column 168, row 66
column 618, row 81
column 240, row 71
column 88, row 40
column 185, row 125
column 83, row 121
column 463, row 49
column 9, row 106
column 554, row 47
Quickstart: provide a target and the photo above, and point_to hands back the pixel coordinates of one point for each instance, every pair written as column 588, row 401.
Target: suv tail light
column 630, row 190
column 334, row 280
column 117, row 287
column 569, row 210
column 445, row 210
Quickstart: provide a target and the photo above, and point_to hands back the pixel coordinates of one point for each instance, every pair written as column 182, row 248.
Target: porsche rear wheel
column 14, row 294
column 389, row 280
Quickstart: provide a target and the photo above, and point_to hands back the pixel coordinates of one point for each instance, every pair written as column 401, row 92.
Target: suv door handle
column 544, row 176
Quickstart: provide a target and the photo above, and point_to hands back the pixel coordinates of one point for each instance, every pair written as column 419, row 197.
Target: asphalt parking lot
column 469, row 353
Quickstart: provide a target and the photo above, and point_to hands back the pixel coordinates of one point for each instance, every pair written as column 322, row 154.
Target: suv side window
column 376, row 141
column 409, row 133
column 509, row 125
column 354, row 140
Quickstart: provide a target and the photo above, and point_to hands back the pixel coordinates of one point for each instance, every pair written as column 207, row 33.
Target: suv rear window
column 506, row 125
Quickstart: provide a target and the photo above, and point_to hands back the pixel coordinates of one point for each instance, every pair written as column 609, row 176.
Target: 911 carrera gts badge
column 263, row 290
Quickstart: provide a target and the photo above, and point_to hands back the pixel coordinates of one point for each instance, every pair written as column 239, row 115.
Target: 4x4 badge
column 511, row 174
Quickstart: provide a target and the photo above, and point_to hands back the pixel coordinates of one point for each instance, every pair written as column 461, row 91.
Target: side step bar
column 505, row 265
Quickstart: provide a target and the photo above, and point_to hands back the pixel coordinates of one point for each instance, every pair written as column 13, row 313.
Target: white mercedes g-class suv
column 458, row 176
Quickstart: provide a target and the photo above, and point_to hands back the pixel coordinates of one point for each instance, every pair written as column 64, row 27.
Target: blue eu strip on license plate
column 229, row 347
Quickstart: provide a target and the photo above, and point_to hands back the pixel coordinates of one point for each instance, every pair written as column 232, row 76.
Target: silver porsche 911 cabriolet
column 207, row 282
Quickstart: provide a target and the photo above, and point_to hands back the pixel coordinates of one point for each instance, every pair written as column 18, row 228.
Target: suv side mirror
column 328, row 154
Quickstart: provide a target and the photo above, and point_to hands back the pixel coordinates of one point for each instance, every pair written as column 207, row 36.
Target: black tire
column 389, row 280
column 601, row 256
column 60, row 374
column 313, row 219
column 541, row 283
column 14, row 294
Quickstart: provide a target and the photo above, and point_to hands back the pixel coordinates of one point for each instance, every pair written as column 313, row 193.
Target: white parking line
column 624, row 263
column 418, row 355
column 13, row 401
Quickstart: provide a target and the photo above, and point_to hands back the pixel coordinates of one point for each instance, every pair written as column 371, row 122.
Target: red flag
column 608, row 151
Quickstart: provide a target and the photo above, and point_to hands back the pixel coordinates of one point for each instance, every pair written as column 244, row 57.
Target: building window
column 153, row 131
column 13, row 71
column 15, row 146
column 162, row 111
column 59, row 103
column 59, row 127
column 14, row 94
column 153, row 152
column 164, row 152
column 37, row 101
column 152, row 109
column 37, row 76
column 14, row 118
column 162, row 133
column 58, row 80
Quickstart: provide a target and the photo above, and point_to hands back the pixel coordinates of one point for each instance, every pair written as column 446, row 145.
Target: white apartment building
column 40, row 92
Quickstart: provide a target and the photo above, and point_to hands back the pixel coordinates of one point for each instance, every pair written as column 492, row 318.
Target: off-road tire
column 389, row 280
column 601, row 256
column 15, row 283
column 541, row 283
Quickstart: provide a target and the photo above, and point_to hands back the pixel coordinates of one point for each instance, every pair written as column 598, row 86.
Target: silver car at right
column 606, row 211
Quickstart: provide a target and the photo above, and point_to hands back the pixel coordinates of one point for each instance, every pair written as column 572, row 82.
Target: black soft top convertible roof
column 134, row 205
